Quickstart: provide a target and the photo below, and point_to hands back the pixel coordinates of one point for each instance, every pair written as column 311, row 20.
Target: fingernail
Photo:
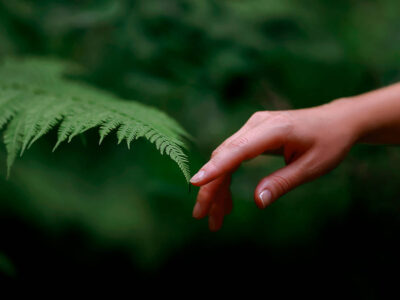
column 197, row 210
column 197, row 177
column 266, row 198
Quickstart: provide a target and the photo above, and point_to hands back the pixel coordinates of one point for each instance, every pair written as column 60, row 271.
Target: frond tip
column 34, row 98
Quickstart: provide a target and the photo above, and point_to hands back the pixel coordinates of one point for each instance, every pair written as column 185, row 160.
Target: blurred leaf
column 6, row 266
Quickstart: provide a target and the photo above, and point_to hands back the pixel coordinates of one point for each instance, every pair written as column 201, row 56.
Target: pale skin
column 312, row 141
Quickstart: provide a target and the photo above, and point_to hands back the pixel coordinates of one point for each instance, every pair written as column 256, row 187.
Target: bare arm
column 313, row 141
column 378, row 114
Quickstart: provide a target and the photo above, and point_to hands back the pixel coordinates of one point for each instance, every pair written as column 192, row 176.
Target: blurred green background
column 107, row 213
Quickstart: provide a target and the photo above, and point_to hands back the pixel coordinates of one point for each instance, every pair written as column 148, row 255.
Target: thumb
column 280, row 182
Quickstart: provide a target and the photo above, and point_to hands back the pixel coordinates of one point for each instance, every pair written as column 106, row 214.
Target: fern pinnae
column 151, row 135
column 123, row 131
column 9, row 103
column 163, row 145
column 134, row 134
column 49, row 120
column 158, row 143
column 88, row 121
column 34, row 98
column 72, row 119
column 13, row 140
column 63, row 133
column 107, row 126
column 154, row 138
column 33, row 115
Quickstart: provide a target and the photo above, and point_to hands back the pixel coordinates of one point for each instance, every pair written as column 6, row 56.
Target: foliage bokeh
column 209, row 64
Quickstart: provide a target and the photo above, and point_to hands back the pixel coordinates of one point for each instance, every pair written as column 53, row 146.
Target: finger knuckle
column 215, row 153
column 214, row 163
column 204, row 195
column 283, row 121
column 239, row 142
column 283, row 118
column 258, row 116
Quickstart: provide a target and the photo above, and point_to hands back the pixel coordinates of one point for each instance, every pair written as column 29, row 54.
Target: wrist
column 372, row 117
column 349, row 117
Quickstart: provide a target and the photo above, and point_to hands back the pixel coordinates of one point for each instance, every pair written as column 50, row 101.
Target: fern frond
column 9, row 102
column 108, row 126
column 13, row 139
column 34, row 98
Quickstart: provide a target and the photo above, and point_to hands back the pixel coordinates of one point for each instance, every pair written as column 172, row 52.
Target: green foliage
column 34, row 98
column 6, row 266
column 209, row 64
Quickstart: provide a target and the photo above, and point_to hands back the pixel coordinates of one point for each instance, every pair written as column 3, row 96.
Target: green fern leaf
column 34, row 98
column 108, row 126
column 9, row 102
column 13, row 139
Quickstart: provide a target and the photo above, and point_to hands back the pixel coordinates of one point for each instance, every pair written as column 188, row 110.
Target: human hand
column 312, row 141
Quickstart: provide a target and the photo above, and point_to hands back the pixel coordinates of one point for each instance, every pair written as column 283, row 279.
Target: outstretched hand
column 312, row 141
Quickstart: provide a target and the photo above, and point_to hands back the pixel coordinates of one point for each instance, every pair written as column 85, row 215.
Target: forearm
column 375, row 116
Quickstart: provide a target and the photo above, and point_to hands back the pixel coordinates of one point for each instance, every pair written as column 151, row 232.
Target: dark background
column 108, row 214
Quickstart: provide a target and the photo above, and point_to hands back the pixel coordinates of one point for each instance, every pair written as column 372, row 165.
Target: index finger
column 246, row 146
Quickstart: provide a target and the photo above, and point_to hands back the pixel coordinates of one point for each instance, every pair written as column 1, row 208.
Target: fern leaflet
column 35, row 97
